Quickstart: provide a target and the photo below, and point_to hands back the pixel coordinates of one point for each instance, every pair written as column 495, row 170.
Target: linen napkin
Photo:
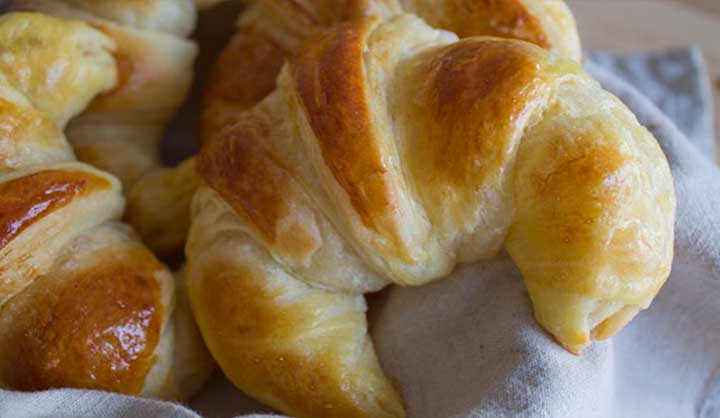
column 677, row 82
column 468, row 347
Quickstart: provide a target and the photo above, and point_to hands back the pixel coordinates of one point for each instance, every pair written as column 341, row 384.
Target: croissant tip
column 576, row 350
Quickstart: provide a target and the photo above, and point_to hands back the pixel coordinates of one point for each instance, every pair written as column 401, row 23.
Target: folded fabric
column 467, row 346
column 677, row 82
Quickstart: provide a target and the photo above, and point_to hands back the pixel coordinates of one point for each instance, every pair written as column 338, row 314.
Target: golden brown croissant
column 82, row 302
column 120, row 130
column 391, row 152
column 268, row 30
column 271, row 29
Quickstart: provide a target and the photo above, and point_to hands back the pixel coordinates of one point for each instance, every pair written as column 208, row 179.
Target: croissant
column 82, row 302
column 389, row 153
column 269, row 30
column 120, row 130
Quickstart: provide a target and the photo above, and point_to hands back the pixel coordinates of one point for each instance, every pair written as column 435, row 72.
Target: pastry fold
column 82, row 303
column 389, row 153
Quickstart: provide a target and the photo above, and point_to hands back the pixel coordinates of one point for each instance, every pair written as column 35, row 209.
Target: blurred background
column 632, row 26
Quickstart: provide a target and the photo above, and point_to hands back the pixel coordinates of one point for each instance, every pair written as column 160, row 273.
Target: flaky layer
column 82, row 303
column 120, row 131
column 422, row 151
column 296, row 347
column 270, row 30
column 390, row 152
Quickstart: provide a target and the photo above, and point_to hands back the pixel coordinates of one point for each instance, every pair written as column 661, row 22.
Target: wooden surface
column 629, row 26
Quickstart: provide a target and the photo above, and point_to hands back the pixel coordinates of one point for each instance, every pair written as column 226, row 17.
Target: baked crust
column 82, row 303
column 389, row 153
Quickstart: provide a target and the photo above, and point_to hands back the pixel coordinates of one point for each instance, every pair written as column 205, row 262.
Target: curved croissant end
column 595, row 210
column 301, row 349
column 82, row 303
column 392, row 151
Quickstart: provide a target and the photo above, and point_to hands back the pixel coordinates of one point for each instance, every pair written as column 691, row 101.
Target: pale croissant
column 120, row 130
column 268, row 30
column 391, row 152
column 82, row 303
